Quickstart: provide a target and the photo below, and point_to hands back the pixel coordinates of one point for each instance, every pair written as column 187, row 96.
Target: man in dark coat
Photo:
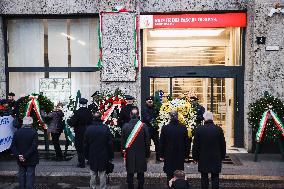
column 179, row 181
column 11, row 100
column 137, row 154
column 174, row 144
column 124, row 115
column 149, row 116
column 98, row 149
column 81, row 118
column 209, row 148
column 24, row 147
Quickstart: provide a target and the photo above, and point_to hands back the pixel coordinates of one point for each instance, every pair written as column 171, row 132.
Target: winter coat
column 98, row 146
column 124, row 115
column 175, row 147
column 56, row 123
column 139, row 150
column 209, row 147
column 180, row 184
column 81, row 118
column 25, row 142
column 148, row 115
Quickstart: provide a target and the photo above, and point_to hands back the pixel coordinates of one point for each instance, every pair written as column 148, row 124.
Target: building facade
column 226, row 67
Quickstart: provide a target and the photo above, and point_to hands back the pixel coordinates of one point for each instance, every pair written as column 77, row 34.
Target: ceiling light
column 186, row 33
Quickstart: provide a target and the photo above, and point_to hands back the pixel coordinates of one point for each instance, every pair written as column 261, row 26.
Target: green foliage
column 256, row 111
column 45, row 105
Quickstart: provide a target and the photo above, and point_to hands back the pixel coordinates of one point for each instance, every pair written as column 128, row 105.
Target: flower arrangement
column 110, row 105
column 186, row 113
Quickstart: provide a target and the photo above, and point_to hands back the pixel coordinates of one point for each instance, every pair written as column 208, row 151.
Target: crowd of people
column 94, row 142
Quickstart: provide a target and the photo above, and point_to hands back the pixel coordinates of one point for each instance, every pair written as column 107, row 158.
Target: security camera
column 278, row 8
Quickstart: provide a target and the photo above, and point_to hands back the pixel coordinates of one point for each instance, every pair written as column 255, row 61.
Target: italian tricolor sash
column 263, row 123
column 131, row 138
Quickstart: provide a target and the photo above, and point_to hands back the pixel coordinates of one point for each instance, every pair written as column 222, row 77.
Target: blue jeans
column 26, row 177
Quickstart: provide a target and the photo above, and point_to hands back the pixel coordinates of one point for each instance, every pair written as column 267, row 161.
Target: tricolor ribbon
column 136, row 42
column 108, row 113
column 263, row 122
column 131, row 138
column 69, row 133
column 34, row 104
column 100, row 63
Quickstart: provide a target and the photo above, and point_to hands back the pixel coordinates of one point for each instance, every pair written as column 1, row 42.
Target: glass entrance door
column 214, row 94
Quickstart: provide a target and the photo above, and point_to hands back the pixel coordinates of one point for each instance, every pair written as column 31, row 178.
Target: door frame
column 236, row 72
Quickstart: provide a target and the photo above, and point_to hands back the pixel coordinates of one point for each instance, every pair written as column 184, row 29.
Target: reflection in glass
column 192, row 47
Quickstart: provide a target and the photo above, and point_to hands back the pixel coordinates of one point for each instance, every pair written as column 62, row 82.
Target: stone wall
column 264, row 70
column 2, row 62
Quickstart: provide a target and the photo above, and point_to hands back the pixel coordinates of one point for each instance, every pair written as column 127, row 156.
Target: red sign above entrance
column 194, row 20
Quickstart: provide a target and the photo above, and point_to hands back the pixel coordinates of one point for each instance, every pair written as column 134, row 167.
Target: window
column 192, row 47
column 53, row 48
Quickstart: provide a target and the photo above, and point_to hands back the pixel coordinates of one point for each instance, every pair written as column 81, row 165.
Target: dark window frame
column 8, row 69
column 236, row 72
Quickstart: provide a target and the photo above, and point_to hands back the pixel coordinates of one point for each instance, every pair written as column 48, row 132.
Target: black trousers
column 55, row 141
column 214, row 180
column 154, row 135
column 140, row 178
column 79, row 145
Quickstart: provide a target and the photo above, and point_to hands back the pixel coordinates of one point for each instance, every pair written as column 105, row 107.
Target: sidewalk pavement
column 269, row 169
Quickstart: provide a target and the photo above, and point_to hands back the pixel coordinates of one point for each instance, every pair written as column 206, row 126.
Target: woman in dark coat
column 174, row 144
column 55, row 128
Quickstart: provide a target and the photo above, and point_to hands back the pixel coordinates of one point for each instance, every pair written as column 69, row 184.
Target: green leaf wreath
column 44, row 105
column 256, row 110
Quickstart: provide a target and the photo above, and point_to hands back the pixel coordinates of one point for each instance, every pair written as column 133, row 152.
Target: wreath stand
column 260, row 132
column 257, row 149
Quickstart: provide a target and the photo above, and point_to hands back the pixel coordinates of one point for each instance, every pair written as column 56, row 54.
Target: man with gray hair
column 24, row 147
column 209, row 148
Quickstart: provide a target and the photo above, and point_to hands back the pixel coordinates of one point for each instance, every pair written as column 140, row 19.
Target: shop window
column 53, row 48
column 52, row 42
column 86, row 82
column 192, row 47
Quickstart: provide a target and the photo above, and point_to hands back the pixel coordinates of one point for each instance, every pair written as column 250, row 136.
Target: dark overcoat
column 56, row 123
column 124, row 115
column 25, row 142
column 174, row 143
column 136, row 161
column 98, row 146
column 209, row 147
column 180, row 184
column 81, row 118
column 148, row 115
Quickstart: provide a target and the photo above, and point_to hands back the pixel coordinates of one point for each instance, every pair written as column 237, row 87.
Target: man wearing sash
column 136, row 148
